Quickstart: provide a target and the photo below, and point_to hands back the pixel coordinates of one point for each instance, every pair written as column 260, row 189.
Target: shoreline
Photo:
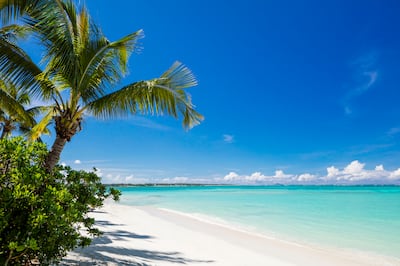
column 277, row 185
column 150, row 236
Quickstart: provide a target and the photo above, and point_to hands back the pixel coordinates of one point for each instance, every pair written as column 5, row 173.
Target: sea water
column 360, row 218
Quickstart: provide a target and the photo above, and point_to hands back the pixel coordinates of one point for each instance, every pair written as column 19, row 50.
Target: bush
column 42, row 215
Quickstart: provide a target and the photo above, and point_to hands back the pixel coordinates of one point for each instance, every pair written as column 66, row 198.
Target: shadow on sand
column 100, row 254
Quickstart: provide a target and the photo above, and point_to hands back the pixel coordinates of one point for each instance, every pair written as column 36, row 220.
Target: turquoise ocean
column 359, row 218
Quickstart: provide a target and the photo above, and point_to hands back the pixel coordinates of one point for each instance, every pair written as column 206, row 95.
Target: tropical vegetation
column 81, row 69
column 44, row 206
column 43, row 215
column 14, row 111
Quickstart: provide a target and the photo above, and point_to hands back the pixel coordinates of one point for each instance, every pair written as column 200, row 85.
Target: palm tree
column 13, row 100
column 13, row 112
column 82, row 66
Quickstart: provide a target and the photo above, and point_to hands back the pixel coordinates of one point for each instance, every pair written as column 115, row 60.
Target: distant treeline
column 162, row 185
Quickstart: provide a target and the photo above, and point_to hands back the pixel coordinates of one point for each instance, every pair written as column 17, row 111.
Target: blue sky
column 289, row 89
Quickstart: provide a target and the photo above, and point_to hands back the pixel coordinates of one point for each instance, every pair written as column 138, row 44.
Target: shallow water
column 364, row 218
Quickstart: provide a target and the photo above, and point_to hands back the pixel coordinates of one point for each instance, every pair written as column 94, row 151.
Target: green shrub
column 42, row 215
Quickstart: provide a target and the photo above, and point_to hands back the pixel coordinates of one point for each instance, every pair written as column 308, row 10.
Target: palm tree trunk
column 3, row 133
column 54, row 155
column 7, row 128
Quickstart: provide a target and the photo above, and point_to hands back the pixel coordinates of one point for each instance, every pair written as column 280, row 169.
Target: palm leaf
column 55, row 28
column 11, row 10
column 164, row 95
column 105, row 63
column 14, row 108
column 17, row 67
column 37, row 110
column 41, row 127
column 13, row 32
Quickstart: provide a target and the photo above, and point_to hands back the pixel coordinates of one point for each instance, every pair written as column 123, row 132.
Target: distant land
column 249, row 185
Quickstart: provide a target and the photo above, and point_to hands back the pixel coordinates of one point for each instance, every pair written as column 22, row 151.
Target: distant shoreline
column 247, row 185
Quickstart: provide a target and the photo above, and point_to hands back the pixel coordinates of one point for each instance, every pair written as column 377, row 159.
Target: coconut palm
column 14, row 115
column 81, row 68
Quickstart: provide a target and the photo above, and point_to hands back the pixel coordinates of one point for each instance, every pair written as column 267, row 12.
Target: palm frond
column 11, row 10
column 37, row 110
column 164, row 95
column 53, row 27
column 41, row 127
column 13, row 32
column 82, row 32
column 17, row 67
column 23, row 98
column 105, row 63
column 14, row 108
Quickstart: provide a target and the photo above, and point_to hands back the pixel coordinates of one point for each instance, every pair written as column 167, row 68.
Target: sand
column 151, row 236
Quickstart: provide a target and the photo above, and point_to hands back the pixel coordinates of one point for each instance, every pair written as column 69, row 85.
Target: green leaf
column 157, row 96
column 13, row 245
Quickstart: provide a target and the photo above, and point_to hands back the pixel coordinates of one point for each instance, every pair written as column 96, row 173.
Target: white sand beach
column 150, row 236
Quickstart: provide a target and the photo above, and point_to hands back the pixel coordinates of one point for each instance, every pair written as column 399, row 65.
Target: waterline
column 354, row 218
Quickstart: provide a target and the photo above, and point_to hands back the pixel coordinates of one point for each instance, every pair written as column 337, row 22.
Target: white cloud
column 256, row 176
column 332, row 171
column 306, row 177
column 352, row 174
column 177, row 179
column 77, row 162
column 129, row 178
column 354, row 167
column 395, row 174
column 123, row 179
column 186, row 180
column 228, row 138
column 231, row 176
column 281, row 174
